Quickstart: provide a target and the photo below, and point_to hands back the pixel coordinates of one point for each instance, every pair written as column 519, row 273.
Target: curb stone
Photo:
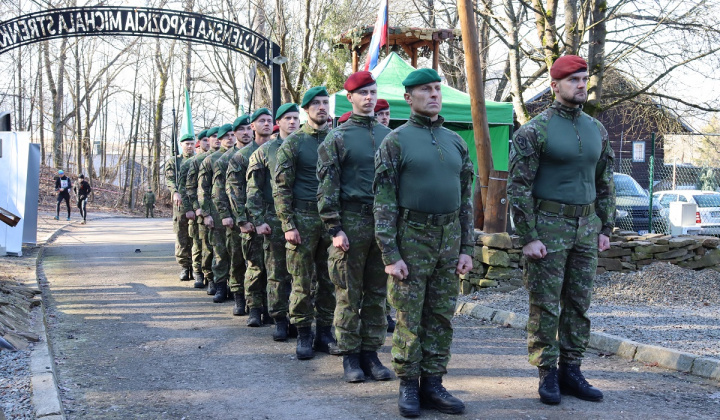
column 680, row 361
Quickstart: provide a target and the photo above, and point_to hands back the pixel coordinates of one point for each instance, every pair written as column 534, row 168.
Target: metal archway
column 145, row 22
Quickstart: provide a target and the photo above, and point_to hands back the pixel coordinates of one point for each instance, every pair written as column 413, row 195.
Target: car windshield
column 627, row 187
column 707, row 200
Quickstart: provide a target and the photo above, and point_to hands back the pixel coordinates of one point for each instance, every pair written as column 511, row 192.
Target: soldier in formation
column 173, row 175
column 201, row 147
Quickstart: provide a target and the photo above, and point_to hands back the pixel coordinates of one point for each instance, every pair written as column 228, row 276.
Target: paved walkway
column 131, row 341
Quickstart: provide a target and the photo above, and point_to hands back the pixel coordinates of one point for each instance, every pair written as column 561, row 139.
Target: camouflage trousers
column 425, row 300
column 150, row 211
column 183, row 242
column 360, row 287
column 237, row 261
column 196, row 251
column 255, row 278
column 305, row 262
column 560, row 288
column 279, row 281
column 221, row 255
column 207, row 251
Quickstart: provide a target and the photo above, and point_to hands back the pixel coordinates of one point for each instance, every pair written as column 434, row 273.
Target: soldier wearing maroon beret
column 344, row 117
column 382, row 112
column 562, row 199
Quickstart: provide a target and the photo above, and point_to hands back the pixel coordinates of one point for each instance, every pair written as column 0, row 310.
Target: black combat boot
column 323, row 338
column 391, row 324
column 254, row 317
column 281, row 329
column 372, row 367
column 572, row 382
column 434, row 395
column 409, row 400
column 304, row 348
column 199, row 280
column 212, row 289
column 548, row 389
column 239, row 307
column 266, row 318
column 292, row 331
column 351, row 366
column 185, row 274
column 220, row 293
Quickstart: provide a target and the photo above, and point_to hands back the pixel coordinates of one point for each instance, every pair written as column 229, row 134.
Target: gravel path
column 662, row 304
column 15, row 389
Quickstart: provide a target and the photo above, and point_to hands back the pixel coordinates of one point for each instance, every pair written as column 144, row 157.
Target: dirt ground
column 131, row 341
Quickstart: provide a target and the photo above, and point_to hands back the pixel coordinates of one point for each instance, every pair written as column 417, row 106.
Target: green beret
column 187, row 137
column 312, row 93
column 420, row 77
column 202, row 134
column 224, row 129
column 212, row 131
column 284, row 108
column 244, row 119
column 259, row 112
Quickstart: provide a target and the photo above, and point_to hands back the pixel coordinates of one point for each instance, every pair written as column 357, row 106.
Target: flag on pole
column 379, row 36
column 187, row 125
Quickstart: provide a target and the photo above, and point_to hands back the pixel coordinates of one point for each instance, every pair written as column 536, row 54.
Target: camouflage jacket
column 191, row 182
column 235, row 185
column 205, row 178
column 293, row 171
column 171, row 170
column 149, row 198
column 219, row 197
column 182, row 184
column 346, row 166
column 389, row 168
column 526, row 155
column 260, row 185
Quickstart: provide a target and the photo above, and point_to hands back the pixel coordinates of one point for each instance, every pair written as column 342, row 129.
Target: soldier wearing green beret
column 424, row 227
column 173, row 177
column 307, row 239
column 261, row 212
column 201, row 146
column 346, row 169
column 191, row 189
column 255, row 279
column 211, row 218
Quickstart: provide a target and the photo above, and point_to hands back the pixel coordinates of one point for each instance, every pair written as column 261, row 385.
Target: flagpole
column 387, row 27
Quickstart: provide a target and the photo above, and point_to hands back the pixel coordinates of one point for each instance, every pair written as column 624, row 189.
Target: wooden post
column 436, row 54
column 497, row 203
column 354, row 60
column 413, row 57
column 477, row 106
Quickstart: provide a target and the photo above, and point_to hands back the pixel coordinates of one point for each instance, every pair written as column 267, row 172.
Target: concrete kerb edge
column 607, row 343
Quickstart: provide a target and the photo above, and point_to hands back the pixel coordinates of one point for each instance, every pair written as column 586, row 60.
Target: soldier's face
column 317, row 110
column 572, row 90
column 383, row 117
column 228, row 140
column 214, row 142
column 204, row 144
column 363, row 100
column 426, row 99
column 244, row 134
column 188, row 147
column 263, row 126
column 288, row 123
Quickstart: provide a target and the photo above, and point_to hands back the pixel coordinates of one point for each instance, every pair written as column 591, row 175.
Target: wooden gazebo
column 409, row 39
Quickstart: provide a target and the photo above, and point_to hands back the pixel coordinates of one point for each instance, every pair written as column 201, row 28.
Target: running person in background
column 62, row 187
column 82, row 195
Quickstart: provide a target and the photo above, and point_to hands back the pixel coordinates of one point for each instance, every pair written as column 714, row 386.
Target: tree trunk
column 131, row 204
column 547, row 31
column 78, row 121
column 41, row 110
column 572, row 26
column 57, row 93
column 516, row 89
column 596, row 56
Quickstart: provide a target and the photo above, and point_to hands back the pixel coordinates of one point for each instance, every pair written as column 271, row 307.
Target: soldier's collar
column 308, row 129
column 424, row 121
column 566, row 111
column 362, row 119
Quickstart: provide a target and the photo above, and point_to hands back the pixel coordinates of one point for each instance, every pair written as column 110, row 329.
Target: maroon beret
column 381, row 105
column 567, row 65
column 344, row 117
column 276, row 128
column 197, row 143
column 359, row 80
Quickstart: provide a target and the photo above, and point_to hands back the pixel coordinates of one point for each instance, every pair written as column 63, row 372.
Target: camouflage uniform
column 149, row 203
column 261, row 209
column 224, row 208
column 183, row 243
column 252, row 243
column 295, row 197
column 218, row 238
column 191, row 190
column 423, row 215
column 561, row 192
column 346, row 169
column 193, row 232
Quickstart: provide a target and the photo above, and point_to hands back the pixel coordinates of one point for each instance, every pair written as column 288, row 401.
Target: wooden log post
column 355, row 60
column 496, row 206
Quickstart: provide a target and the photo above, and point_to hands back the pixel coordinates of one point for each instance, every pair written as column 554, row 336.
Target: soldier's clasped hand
column 398, row 270
column 464, row 264
column 190, row 215
column 535, row 250
column 603, row 243
column 340, row 240
column 247, row 227
column 177, row 200
column 228, row 222
column 293, row 236
column 264, row 229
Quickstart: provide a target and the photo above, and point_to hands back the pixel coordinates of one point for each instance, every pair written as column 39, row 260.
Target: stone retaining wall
column 498, row 257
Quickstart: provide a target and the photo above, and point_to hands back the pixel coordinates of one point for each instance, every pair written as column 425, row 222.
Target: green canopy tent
column 456, row 109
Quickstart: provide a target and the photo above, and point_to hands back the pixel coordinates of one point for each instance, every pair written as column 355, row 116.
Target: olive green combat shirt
column 236, row 183
column 346, row 166
column 295, row 177
column 260, row 181
column 424, row 167
column 172, row 168
column 219, row 197
column 191, row 184
column 561, row 155
column 205, row 177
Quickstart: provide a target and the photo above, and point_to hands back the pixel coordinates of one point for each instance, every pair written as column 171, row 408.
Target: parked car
column 632, row 207
column 708, row 207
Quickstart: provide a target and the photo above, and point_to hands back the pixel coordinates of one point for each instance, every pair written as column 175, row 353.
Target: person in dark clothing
column 62, row 187
column 82, row 195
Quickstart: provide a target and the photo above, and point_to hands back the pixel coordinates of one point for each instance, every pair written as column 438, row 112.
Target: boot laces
column 409, row 394
column 550, row 380
column 576, row 374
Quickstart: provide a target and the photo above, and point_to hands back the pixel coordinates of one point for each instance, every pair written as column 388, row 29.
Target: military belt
column 427, row 218
column 567, row 210
column 306, row 205
column 358, row 207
